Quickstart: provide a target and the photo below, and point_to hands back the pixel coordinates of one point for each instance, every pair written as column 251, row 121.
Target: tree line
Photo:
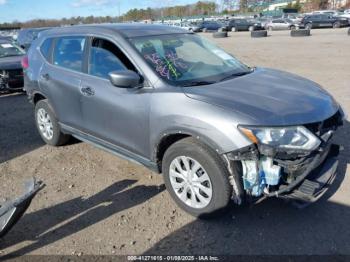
column 201, row 8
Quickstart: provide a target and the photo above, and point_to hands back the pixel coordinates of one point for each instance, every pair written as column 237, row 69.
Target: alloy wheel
column 45, row 124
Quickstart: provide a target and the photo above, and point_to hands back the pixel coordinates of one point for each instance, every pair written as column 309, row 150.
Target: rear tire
column 216, row 188
column 48, row 126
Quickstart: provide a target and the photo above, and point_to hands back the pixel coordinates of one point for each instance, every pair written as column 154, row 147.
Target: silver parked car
column 176, row 103
column 281, row 24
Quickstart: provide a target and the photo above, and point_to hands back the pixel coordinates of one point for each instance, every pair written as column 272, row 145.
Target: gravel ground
column 95, row 203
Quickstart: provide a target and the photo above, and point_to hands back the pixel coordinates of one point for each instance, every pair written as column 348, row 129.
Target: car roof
column 5, row 41
column 127, row 30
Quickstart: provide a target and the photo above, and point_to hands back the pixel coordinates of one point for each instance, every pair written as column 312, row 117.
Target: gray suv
column 168, row 99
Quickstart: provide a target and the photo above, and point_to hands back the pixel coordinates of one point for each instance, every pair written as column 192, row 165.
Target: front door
column 117, row 115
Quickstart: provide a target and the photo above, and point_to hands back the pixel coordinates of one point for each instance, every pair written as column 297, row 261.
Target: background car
column 7, row 38
column 207, row 26
column 281, row 24
column 263, row 21
column 323, row 20
column 244, row 25
column 27, row 36
column 11, row 72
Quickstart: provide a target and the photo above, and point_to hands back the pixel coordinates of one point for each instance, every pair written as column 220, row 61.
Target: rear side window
column 45, row 48
column 69, row 53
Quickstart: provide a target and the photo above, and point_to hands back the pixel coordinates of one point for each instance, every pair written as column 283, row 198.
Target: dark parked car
column 11, row 72
column 207, row 26
column 323, row 20
column 178, row 104
column 244, row 25
column 27, row 36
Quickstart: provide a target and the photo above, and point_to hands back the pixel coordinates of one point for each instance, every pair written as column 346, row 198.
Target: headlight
column 296, row 137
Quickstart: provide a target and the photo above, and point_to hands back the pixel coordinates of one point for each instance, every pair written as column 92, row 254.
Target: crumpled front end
column 265, row 171
column 11, row 79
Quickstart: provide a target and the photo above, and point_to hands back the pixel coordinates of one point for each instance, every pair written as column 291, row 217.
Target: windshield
column 187, row 59
column 9, row 49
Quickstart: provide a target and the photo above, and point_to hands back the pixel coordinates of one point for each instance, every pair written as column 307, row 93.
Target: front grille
column 15, row 73
column 15, row 78
column 320, row 128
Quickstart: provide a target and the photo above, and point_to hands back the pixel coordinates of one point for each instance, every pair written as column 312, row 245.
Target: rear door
column 61, row 79
column 117, row 115
column 239, row 25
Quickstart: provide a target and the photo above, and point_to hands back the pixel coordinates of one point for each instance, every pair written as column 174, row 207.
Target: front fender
column 179, row 114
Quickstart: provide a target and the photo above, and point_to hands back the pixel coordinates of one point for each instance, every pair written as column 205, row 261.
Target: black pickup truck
column 323, row 20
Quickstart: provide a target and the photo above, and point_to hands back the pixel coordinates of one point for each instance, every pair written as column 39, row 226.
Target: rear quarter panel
column 31, row 75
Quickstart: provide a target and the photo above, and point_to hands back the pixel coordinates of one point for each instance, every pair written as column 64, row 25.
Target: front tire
column 196, row 178
column 336, row 25
column 48, row 126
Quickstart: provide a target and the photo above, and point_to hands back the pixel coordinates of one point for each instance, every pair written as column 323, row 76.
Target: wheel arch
column 171, row 137
column 38, row 97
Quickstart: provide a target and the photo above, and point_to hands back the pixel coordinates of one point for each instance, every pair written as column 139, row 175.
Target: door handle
column 87, row 91
column 45, row 76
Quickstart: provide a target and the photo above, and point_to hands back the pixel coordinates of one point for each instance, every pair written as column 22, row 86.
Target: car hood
column 269, row 97
column 11, row 62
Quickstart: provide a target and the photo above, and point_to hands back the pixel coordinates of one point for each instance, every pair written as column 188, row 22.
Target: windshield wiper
column 235, row 75
column 198, row 83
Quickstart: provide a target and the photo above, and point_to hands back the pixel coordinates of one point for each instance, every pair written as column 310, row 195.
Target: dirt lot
column 95, row 203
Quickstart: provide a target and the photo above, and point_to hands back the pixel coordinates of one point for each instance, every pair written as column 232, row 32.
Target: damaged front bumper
column 260, row 171
column 310, row 180
column 314, row 181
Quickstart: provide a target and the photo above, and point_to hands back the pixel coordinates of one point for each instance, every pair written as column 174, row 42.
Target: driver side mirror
column 124, row 78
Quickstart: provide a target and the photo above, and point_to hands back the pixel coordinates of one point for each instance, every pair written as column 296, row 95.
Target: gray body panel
column 269, row 98
column 133, row 121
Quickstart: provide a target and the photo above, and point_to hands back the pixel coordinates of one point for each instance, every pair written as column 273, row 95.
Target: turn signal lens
column 249, row 134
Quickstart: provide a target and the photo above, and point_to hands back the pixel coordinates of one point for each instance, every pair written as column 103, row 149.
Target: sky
column 24, row 10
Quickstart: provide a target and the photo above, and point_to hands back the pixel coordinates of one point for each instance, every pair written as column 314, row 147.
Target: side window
column 45, row 48
column 106, row 57
column 69, row 52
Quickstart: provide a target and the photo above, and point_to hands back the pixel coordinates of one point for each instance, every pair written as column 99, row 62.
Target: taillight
column 25, row 62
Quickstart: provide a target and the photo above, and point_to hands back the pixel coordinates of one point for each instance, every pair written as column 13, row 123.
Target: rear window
column 68, row 53
column 46, row 48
